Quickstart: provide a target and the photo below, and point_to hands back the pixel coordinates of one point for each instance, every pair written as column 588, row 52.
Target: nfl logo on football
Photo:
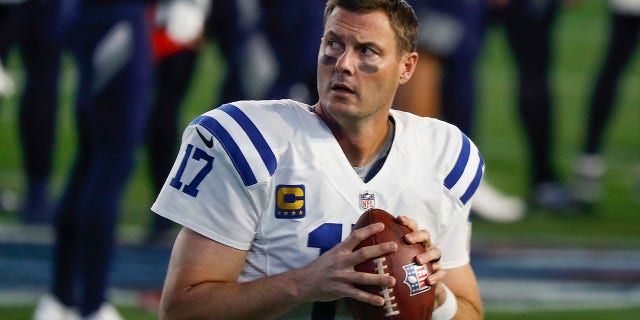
column 367, row 201
column 416, row 278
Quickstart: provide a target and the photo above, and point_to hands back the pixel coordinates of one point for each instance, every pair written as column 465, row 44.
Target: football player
column 267, row 191
column 528, row 26
column 176, row 54
column 111, row 46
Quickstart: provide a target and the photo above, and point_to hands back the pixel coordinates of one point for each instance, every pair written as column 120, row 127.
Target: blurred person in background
column 446, row 79
column 38, row 29
column 232, row 25
column 529, row 26
column 179, row 32
column 176, row 38
column 624, row 29
column 301, row 22
column 111, row 46
column 444, row 83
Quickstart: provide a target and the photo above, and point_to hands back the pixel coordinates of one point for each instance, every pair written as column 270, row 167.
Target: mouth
column 342, row 88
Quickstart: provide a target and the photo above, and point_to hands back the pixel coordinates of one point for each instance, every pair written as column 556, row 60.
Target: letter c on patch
column 290, row 197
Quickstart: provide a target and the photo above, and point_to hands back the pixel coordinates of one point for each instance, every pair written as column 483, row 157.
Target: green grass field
column 579, row 44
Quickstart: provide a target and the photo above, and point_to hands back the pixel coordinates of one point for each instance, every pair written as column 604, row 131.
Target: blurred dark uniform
column 111, row 47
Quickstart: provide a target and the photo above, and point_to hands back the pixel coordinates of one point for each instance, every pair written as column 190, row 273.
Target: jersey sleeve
column 454, row 241
column 465, row 170
column 214, row 184
column 463, row 177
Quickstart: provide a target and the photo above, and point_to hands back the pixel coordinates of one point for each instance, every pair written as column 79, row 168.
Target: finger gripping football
column 411, row 297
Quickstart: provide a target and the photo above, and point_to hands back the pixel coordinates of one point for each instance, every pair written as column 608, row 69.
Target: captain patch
column 290, row 202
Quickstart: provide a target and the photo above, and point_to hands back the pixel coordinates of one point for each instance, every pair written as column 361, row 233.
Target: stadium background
column 547, row 266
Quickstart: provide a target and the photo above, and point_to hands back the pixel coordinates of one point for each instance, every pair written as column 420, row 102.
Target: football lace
column 387, row 293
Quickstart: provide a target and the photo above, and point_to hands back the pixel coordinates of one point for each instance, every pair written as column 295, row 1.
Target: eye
column 334, row 45
column 367, row 51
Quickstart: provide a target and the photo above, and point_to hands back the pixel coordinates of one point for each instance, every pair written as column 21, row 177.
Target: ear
column 408, row 64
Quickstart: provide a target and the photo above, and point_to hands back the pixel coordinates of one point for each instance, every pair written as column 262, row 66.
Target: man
column 267, row 191
column 528, row 27
column 112, row 53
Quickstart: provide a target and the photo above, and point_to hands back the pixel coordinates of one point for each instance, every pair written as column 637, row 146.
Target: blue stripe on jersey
column 461, row 163
column 230, row 146
column 254, row 134
column 473, row 186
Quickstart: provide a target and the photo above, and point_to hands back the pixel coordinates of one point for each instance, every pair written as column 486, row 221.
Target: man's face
column 358, row 65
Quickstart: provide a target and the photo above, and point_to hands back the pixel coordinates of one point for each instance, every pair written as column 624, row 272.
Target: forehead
column 363, row 27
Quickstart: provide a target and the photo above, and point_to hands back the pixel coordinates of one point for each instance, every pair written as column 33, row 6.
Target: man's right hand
column 332, row 276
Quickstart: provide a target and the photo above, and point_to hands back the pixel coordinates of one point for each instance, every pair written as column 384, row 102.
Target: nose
column 344, row 64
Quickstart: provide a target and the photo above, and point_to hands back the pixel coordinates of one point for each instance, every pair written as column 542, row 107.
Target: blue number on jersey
column 192, row 187
column 324, row 237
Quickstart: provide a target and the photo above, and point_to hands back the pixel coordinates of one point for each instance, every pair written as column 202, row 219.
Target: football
column 411, row 297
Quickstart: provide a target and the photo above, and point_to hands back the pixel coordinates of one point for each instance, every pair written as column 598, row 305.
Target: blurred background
column 576, row 260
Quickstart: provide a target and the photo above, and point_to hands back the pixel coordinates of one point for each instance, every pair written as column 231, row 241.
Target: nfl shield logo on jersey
column 367, row 201
column 416, row 278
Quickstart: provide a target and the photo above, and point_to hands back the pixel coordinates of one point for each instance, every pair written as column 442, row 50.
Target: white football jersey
column 270, row 178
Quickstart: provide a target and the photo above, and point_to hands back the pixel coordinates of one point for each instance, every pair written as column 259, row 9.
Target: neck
column 360, row 140
column 363, row 148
